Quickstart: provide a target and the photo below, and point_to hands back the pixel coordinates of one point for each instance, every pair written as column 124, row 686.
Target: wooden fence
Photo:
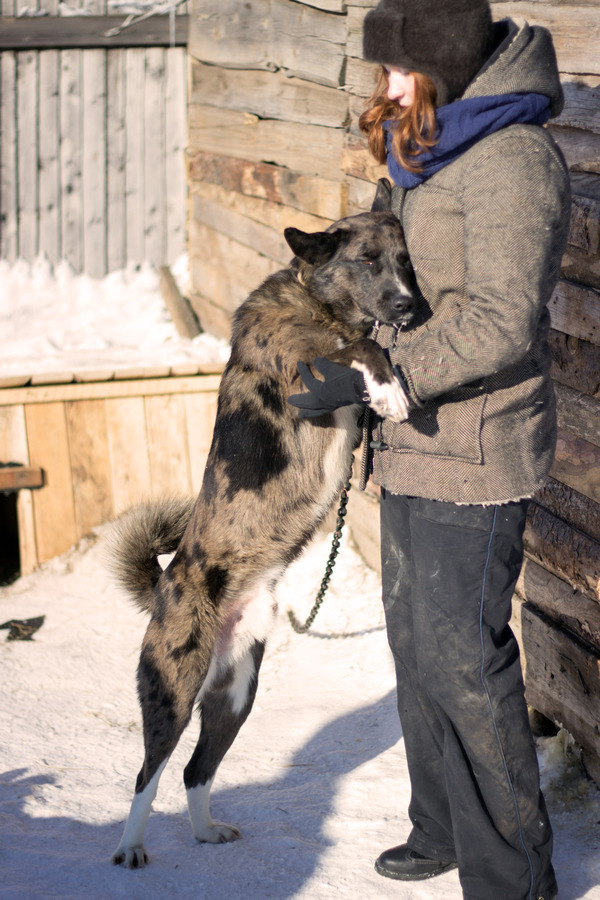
column 276, row 90
column 92, row 133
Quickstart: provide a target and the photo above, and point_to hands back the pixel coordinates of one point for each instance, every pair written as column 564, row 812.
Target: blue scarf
column 462, row 124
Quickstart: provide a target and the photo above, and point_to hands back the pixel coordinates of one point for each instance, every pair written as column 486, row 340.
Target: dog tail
column 138, row 537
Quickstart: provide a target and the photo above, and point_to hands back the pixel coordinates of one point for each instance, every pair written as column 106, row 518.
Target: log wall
column 275, row 92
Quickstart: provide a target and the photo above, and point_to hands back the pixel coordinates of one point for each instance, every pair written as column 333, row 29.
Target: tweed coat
column 485, row 235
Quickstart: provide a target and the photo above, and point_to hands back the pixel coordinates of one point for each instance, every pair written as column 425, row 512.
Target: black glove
column 342, row 387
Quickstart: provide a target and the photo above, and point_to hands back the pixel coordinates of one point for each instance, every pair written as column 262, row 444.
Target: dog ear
column 382, row 202
column 314, row 248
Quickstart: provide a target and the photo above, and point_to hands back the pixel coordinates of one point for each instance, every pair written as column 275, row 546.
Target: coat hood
column 524, row 61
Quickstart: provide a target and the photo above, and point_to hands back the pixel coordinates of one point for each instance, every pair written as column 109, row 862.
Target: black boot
column 405, row 864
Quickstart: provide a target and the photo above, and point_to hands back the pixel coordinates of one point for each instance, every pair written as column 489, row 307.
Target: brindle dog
column 270, row 479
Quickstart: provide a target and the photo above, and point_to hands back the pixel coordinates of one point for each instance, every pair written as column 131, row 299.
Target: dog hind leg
column 224, row 709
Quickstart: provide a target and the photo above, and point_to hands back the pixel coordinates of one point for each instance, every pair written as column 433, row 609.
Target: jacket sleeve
column 516, row 208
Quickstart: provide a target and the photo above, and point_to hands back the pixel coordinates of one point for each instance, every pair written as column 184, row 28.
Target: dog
column 270, row 479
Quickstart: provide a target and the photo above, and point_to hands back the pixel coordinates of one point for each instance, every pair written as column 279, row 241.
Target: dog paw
column 130, row 857
column 389, row 399
column 217, row 833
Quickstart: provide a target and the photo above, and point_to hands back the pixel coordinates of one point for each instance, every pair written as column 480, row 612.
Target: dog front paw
column 389, row 400
column 130, row 857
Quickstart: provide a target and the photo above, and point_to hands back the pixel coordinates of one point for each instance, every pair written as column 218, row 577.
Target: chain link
column 335, row 544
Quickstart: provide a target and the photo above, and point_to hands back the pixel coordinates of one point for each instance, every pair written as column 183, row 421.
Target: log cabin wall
column 276, row 88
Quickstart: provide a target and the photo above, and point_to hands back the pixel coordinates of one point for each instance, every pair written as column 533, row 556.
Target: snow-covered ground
column 317, row 778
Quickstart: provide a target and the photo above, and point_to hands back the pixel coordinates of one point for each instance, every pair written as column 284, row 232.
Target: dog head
column 359, row 269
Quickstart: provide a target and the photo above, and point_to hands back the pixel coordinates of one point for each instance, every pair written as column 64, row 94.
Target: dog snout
column 400, row 305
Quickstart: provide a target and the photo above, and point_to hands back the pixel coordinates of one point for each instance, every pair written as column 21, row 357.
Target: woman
column 483, row 195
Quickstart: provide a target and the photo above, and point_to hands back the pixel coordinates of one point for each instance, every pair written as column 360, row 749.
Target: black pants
column 448, row 577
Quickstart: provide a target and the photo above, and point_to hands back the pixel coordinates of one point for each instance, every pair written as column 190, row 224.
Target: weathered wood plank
column 574, row 30
column 562, row 677
column 581, row 148
column 578, row 414
column 582, row 105
column 16, row 478
column 360, row 79
column 577, row 463
column 317, row 196
column 213, row 317
column 116, row 160
column 94, row 162
column 27, row 178
column 128, row 451
column 256, row 223
column 53, row 505
column 200, row 414
column 48, row 153
column 141, row 387
column 268, row 95
column 89, row 32
column 212, row 274
column 575, row 363
column 169, row 462
column 575, row 310
column 134, row 168
column 358, row 162
column 71, row 158
column 307, row 149
column 570, row 609
column 563, row 550
column 90, row 464
column 270, row 34
column 175, row 140
column 9, row 237
column 566, row 503
column 154, row 156
column 183, row 318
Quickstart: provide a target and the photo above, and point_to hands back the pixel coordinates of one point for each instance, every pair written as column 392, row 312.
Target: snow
column 317, row 778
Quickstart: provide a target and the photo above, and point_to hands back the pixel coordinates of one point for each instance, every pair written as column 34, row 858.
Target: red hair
column 414, row 126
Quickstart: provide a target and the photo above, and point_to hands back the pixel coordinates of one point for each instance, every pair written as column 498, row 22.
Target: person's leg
column 466, row 560
column 423, row 734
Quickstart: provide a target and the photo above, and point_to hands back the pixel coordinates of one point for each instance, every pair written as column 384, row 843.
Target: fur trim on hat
column 448, row 40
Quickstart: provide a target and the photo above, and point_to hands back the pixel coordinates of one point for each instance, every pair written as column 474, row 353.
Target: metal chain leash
column 335, row 544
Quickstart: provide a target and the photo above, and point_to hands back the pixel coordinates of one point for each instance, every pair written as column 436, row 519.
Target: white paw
column 388, row 400
column 217, row 833
column 130, row 857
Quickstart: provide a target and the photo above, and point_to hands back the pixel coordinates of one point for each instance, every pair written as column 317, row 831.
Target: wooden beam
column 89, row 32
column 180, row 311
column 106, row 389
column 578, row 414
column 572, row 506
column 563, row 550
column 13, row 478
column 576, row 311
column 575, row 363
column 577, row 463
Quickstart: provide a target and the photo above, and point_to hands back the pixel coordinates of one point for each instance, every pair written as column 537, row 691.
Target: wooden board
column 200, row 414
column 174, row 165
column 306, row 149
column 116, row 160
column 98, row 390
column 94, row 163
column 71, row 159
column 169, row 462
column 562, row 676
column 575, row 310
column 8, row 159
column 563, row 550
column 575, row 363
column 48, row 156
column 578, row 414
column 78, row 32
column 53, row 505
column 568, row 504
column 268, row 95
column 90, row 464
column 269, row 34
column 581, row 148
column 128, row 451
column 569, row 609
column 574, row 30
column 577, row 464
column 154, row 154
column 316, row 196
column 27, row 174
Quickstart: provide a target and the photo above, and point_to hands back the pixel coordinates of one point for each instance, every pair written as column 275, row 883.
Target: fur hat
column 448, row 40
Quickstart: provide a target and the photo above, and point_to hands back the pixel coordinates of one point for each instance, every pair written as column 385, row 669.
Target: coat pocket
column 450, row 428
